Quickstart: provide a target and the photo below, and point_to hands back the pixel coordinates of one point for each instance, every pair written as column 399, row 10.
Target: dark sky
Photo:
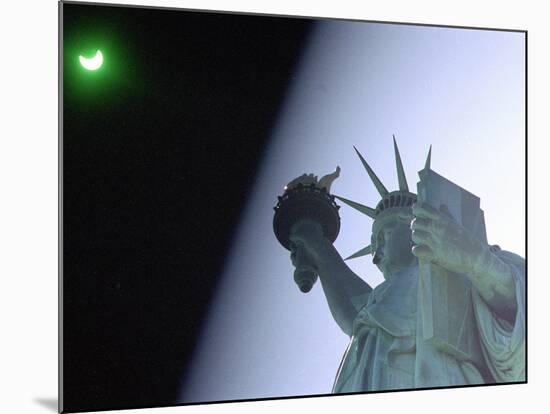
column 159, row 152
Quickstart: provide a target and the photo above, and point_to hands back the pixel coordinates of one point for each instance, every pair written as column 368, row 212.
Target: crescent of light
column 92, row 63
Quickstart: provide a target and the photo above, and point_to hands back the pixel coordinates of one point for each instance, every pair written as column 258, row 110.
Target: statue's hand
column 306, row 237
column 440, row 239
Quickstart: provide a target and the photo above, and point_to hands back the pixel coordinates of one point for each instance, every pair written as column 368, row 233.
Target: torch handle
column 305, row 274
column 305, row 279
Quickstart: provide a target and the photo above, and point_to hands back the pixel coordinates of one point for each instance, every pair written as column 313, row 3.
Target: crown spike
column 379, row 186
column 371, row 212
column 363, row 252
column 429, row 159
column 403, row 186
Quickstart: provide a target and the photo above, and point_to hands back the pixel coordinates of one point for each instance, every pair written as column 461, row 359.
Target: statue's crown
column 392, row 203
column 395, row 199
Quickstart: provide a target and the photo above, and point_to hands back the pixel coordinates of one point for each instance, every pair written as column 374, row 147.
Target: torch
column 305, row 198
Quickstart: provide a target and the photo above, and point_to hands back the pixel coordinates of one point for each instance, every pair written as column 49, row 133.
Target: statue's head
column 391, row 241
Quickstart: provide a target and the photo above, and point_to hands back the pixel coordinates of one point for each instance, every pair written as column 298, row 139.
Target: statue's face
column 393, row 247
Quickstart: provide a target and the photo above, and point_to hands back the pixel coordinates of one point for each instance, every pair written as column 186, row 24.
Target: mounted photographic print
column 261, row 207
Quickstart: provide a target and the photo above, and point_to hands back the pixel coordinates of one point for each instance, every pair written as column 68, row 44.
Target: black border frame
column 60, row 196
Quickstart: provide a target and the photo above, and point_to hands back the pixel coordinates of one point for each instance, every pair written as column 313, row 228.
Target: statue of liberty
column 451, row 309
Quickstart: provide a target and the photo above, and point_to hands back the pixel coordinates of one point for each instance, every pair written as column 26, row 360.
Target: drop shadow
column 49, row 403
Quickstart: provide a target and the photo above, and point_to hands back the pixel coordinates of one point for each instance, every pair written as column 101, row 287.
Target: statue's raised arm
column 306, row 222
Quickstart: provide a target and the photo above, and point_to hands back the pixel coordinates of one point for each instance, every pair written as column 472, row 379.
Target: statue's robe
column 385, row 352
